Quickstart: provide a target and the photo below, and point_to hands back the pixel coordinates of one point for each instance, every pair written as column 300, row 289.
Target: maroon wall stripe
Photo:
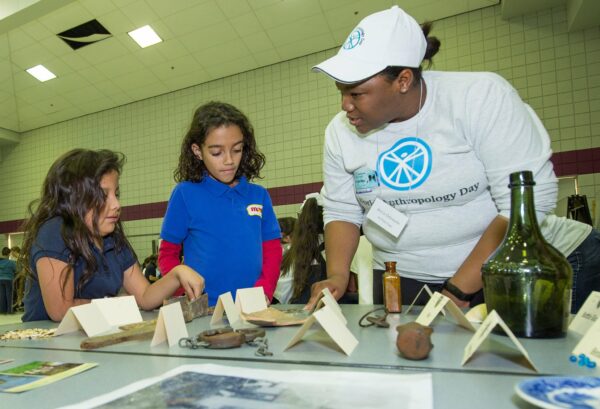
column 569, row 163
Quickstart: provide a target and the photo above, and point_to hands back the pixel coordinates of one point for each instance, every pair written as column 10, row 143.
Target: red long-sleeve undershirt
column 169, row 257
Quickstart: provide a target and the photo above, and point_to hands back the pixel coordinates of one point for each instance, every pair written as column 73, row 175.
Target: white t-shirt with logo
column 447, row 169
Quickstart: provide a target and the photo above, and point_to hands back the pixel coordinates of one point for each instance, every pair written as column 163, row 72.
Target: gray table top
column 376, row 348
column 452, row 390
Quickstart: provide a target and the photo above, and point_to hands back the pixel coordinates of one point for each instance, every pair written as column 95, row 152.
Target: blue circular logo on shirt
column 406, row 165
column 354, row 39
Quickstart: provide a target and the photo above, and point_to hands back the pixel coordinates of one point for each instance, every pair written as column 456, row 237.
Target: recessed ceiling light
column 145, row 36
column 41, row 73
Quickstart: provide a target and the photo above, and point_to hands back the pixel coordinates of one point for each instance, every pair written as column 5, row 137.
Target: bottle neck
column 522, row 211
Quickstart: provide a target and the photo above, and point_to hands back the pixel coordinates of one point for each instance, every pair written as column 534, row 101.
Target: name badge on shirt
column 386, row 217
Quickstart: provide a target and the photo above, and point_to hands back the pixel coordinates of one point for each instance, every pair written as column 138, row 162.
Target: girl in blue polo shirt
column 225, row 224
column 74, row 246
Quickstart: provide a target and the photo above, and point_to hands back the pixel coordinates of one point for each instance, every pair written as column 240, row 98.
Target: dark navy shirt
column 222, row 229
column 106, row 281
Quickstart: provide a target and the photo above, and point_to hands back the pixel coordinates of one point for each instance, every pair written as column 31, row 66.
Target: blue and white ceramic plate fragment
column 558, row 392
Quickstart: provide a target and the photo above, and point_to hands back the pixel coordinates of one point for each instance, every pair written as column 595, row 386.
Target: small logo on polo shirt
column 254, row 210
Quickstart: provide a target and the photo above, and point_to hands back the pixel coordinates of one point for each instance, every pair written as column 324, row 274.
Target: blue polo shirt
column 107, row 281
column 222, row 229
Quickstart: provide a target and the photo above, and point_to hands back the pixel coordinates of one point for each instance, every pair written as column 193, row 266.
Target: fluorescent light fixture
column 145, row 36
column 41, row 73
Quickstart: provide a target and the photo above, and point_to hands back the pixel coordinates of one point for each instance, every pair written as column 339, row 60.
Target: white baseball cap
column 386, row 38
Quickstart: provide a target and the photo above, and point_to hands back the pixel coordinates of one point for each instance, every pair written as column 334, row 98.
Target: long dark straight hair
column 304, row 248
column 71, row 189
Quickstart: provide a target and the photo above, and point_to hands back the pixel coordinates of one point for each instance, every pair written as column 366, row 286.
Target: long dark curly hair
column 70, row 190
column 206, row 118
column 305, row 246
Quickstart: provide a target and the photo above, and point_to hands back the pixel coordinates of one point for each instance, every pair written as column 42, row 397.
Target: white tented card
column 329, row 300
column 226, row 306
column 332, row 325
column 119, row 310
column 432, row 309
column 588, row 314
column 251, row 300
column 424, row 288
column 87, row 317
column 436, row 305
column 484, row 331
column 590, row 343
column 386, row 217
column 458, row 315
column 170, row 325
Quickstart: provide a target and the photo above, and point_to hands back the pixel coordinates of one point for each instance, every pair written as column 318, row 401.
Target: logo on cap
column 354, row 39
column 406, row 165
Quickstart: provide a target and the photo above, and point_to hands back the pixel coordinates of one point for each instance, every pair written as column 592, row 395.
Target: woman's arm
column 56, row 301
column 468, row 276
column 341, row 241
column 149, row 296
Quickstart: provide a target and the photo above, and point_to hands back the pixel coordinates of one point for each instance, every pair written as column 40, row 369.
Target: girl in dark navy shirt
column 74, row 244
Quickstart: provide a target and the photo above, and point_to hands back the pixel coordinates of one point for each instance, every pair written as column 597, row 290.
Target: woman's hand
column 336, row 285
column 190, row 280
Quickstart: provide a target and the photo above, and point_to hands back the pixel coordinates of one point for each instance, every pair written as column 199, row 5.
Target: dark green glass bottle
column 526, row 280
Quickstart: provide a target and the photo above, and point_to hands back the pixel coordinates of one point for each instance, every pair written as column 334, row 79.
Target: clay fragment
column 414, row 341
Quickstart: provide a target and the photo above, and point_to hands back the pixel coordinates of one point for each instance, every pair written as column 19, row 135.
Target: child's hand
column 190, row 280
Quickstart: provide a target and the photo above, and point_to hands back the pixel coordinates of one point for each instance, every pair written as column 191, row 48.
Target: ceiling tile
column 22, row 80
column 285, row 12
column 116, row 22
column 104, row 50
column 300, row 30
column 258, row 42
column 19, row 39
column 175, row 68
column 109, row 88
column 36, row 30
column 234, row 8
column 92, row 75
column 187, row 80
column 98, row 8
column 150, row 56
column 75, row 61
column 171, row 49
column 54, row 104
column 209, row 37
column 134, row 80
column 246, row 24
column 70, row 82
column 232, row 50
column 167, row 8
column 31, row 56
column 231, row 67
column 84, row 94
column 191, row 19
column 305, row 46
column 120, row 65
column 139, row 13
column 147, row 91
column 5, row 70
column 268, row 57
column 66, row 17
column 259, row 4
column 56, row 46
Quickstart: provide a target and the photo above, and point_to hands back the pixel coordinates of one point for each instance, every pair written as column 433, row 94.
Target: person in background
column 421, row 161
column 226, row 224
column 7, row 275
column 149, row 268
column 286, row 225
column 74, row 246
column 304, row 263
column 19, row 281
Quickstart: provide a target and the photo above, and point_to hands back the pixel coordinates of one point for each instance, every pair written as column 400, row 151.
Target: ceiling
column 203, row 40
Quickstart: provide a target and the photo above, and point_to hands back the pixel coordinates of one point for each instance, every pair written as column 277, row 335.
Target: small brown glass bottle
column 392, row 298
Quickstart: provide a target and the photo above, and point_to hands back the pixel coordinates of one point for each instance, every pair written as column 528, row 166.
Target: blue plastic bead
column 581, row 356
column 573, row 358
column 591, row 364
